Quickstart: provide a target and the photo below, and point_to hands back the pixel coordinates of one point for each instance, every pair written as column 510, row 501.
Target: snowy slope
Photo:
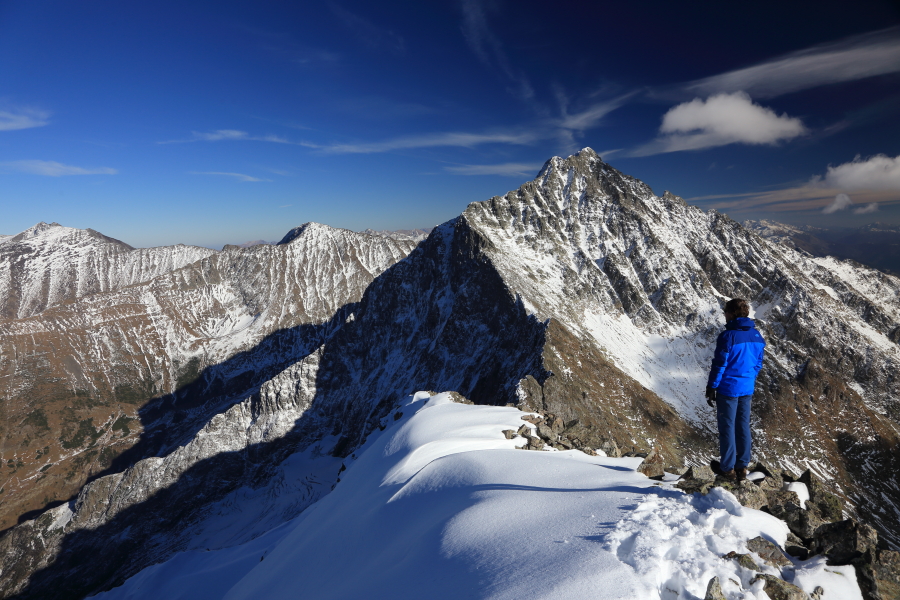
column 441, row 505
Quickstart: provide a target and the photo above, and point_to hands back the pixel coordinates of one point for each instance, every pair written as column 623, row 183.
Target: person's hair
column 738, row 307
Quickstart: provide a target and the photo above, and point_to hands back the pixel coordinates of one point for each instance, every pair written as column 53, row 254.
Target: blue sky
column 221, row 122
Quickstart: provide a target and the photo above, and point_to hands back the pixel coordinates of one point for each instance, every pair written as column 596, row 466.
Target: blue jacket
column 738, row 358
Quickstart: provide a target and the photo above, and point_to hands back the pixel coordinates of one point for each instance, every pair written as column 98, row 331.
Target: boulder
column 785, row 505
column 778, row 589
column 534, row 443
column 694, row 486
column 546, row 432
column 826, row 507
column 653, row 465
column 714, row 590
column 810, row 521
column 524, row 431
column 702, row 472
column 846, row 542
column 745, row 560
column 795, row 546
column 886, row 575
column 556, row 424
column 510, row 433
column 610, row 448
column 533, row 419
column 746, row 492
column 457, row 397
column 770, row 553
column 773, row 480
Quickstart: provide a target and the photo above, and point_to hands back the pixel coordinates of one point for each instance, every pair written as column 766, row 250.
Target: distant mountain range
column 143, row 394
column 414, row 235
column 876, row 245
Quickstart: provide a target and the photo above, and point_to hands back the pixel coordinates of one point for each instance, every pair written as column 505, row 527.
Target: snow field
column 440, row 505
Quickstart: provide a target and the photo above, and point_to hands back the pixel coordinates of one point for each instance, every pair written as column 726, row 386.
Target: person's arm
column 720, row 359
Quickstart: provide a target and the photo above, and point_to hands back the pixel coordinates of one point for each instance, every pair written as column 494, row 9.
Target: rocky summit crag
column 582, row 295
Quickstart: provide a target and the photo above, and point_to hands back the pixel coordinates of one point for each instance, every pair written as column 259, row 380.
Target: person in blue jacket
column 732, row 379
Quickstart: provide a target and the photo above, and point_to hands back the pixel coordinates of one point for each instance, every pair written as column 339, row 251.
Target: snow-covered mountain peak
column 317, row 231
column 49, row 263
column 294, row 233
column 44, row 234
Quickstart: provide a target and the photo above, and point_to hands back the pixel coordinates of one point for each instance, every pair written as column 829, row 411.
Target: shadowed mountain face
column 581, row 293
column 147, row 364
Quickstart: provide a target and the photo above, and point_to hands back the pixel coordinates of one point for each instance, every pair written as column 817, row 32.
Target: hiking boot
column 741, row 473
column 729, row 475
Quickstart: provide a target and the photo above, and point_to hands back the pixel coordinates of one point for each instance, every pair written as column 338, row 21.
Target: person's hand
column 711, row 396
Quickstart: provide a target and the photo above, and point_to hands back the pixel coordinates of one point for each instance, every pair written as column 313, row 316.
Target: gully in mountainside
column 736, row 363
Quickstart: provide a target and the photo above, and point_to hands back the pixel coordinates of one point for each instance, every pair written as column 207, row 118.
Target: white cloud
column 53, row 169
column 22, row 118
column 238, row 176
column 868, row 208
column 507, row 169
column 841, row 202
column 451, row 139
column 858, row 57
column 220, row 135
column 877, row 172
column 720, row 120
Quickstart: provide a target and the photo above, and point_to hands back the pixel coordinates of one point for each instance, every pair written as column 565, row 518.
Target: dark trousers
column 733, row 415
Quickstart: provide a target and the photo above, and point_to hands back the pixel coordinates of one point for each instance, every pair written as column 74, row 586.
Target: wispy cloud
column 238, row 176
column 718, row 121
column 315, row 56
column 12, row 119
column 861, row 186
column 793, row 199
column 593, row 115
column 488, row 49
column 858, row 57
column 367, row 32
column 53, row 169
column 566, row 127
column 220, row 135
column 449, row 139
column 505, row 169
